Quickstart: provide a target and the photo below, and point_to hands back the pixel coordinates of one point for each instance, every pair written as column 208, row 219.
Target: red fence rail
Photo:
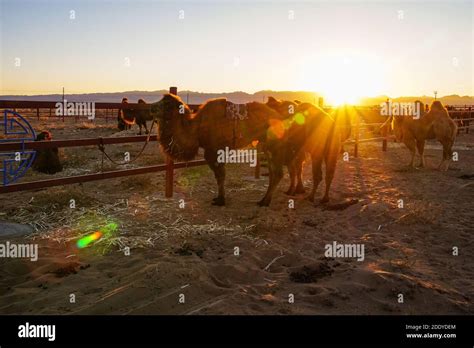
column 109, row 109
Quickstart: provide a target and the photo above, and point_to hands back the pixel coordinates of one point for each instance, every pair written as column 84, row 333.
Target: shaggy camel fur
column 182, row 133
column 315, row 132
column 434, row 124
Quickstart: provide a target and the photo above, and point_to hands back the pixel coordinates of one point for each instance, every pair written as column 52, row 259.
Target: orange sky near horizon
column 343, row 51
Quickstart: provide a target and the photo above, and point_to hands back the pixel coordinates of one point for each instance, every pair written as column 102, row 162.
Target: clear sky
column 351, row 48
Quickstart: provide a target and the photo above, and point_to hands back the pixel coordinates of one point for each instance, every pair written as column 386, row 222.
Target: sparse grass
column 190, row 176
column 138, row 182
column 59, row 198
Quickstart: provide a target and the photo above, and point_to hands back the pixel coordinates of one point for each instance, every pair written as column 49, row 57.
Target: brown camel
column 182, row 132
column 434, row 124
column 294, row 141
column 138, row 116
column 313, row 131
column 324, row 138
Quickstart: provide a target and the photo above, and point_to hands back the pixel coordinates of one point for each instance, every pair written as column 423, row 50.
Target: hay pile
column 143, row 223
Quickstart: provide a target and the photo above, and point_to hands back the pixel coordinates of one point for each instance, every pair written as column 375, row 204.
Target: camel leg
column 420, row 144
column 411, row 144
column 317, row 176
column 219, row 174
column 299, row 176
column 331, row 162
column 276, row 174
column 331, row 157
column 146, row 128
column 447, row 153
column 140, row 127
column 292, row 171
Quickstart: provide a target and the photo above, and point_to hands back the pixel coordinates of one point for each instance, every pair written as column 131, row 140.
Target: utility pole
column 435, row 94
column 64, row 106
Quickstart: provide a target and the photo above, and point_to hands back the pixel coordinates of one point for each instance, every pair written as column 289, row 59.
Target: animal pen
column 109, row 112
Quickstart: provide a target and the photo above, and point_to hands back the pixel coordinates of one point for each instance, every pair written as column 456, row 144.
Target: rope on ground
column 102, row 150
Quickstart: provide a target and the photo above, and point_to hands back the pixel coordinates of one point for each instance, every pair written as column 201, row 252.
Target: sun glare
column 342, row 78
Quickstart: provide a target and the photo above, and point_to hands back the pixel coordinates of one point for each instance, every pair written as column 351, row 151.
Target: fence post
column 38, row 113
column 169, row 174
column 357, row 130
column 469, row 122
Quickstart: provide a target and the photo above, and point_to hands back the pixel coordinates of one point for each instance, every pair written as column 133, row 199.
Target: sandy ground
column 190, row 251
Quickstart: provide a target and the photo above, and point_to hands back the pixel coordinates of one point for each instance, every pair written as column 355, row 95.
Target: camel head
column 273, row 103
column 170, row 105
column 178, row 129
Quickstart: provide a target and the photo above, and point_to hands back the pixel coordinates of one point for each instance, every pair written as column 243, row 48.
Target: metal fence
column 463, row 116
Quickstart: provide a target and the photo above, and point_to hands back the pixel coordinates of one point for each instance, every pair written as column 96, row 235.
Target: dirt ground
column 241, row 258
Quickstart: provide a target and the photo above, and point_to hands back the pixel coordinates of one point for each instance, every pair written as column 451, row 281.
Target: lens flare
column 85, row 241
column 106, row 230
column 299, row 118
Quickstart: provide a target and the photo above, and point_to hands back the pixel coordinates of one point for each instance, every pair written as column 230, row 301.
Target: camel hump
column 236, row 111
column 272, row 100
column 437, row 105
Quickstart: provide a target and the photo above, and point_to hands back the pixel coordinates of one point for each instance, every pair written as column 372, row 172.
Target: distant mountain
column 188, row 96
column 192, row 97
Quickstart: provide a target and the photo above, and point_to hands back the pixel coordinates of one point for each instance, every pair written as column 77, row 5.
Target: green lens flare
column 299, row 118
column 85, row 241
column 104, row 231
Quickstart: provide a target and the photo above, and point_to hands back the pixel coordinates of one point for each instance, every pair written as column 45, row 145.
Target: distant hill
column 192, row 97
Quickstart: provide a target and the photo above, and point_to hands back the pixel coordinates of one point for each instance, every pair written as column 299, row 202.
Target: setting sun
column 343, row 78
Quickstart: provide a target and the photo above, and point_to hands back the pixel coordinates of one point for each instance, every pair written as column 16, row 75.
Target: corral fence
column 463, row 115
